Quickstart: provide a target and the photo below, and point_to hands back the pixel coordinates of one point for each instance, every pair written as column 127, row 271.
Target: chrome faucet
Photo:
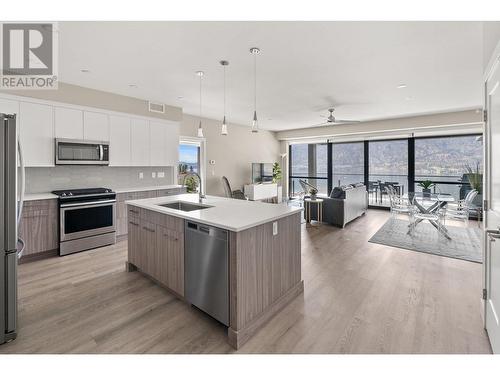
column 199, row 179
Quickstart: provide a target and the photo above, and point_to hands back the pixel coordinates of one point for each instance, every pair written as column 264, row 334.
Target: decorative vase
column 426, row 193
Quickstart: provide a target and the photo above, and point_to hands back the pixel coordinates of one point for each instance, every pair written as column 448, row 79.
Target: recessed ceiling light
column 85, row 70
column 408, row 98
column 270, row 118
column 401, row 86
column 132, row 85
column 180, row 97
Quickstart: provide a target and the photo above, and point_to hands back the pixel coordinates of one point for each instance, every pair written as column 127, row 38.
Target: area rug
column 465, row 243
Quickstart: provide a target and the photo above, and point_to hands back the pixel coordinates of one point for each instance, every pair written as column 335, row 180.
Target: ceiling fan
column 331, row 120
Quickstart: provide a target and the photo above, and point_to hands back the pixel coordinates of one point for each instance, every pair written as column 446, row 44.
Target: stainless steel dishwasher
column 206, row 269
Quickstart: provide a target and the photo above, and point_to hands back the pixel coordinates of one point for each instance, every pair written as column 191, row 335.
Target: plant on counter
column 426, row 185
column 475, row 177
column 191, row 184
column 277, row 174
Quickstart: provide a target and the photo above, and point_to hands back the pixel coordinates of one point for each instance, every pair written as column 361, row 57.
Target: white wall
column 233, row 153
column 491, row 38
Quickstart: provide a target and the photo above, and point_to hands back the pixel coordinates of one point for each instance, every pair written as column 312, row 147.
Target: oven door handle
column 79, row 204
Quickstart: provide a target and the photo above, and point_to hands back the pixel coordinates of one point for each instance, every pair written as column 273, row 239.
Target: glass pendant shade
column 200, row 130
column 255, row 123
column 224, row 127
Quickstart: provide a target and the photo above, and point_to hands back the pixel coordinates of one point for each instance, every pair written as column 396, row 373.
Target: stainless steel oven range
column 87, row 219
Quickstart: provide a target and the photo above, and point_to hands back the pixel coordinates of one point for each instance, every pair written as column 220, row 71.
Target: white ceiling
column 304, row 67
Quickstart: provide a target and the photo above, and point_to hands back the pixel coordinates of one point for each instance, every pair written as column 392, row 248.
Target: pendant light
column 255, row 125
column 200, row 128
column 223, row 130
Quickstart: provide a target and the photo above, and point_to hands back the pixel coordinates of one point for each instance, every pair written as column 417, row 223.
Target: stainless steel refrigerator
column 11, row 201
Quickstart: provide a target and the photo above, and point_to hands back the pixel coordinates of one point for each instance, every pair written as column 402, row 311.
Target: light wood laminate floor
column 359, row 298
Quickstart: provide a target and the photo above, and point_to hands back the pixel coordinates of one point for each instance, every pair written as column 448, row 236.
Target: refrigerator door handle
column 22, row 184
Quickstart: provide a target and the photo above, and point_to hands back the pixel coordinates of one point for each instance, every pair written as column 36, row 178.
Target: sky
column 188, row 153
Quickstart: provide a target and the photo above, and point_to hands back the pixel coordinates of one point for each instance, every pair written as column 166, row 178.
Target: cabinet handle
column 131, row 222
column 149, row 229
column 170, row 237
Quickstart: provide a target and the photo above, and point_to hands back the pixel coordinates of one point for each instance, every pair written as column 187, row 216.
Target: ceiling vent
column 156, row 107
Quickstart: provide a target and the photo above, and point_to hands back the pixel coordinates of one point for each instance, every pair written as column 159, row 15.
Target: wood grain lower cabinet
column 134, row 240
column 170, row 255
column 121, row 208
column 156, row 247
column 39, row 227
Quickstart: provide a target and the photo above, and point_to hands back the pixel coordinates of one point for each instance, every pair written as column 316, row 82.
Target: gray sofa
column 344, row 204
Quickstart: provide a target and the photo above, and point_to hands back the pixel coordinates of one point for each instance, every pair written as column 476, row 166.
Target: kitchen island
column 263, row 263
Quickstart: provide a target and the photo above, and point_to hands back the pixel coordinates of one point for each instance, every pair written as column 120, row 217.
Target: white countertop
column 231, row 214
column 39, row 196
column 145, row 188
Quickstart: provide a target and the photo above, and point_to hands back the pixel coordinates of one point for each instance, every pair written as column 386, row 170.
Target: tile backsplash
column 43, row 180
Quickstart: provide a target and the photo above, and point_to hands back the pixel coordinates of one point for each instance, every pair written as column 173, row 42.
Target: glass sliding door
column 447, row 161
column 387, row 165
column 308, row 162
column 347, row 163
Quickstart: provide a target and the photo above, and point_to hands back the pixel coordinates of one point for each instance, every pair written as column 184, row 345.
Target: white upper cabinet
column 119, row 141
column 139, row 142
column 172, row 144
column 157, row 138
column 68, row 123
column 95, row 126
column 133, row 141
column 164, row 140
column 37, row 134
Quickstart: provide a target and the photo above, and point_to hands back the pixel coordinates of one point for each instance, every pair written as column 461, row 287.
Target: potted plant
column 277, row 175
column 426, row 187
column 191, row 184
column 475, row 178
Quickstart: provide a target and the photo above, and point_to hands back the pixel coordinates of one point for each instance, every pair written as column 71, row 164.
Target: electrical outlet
column 141, row 175
column 275, row 228
column 153, row 174
column 161, row 174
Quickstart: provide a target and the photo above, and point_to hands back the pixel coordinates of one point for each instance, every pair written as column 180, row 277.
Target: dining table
column 429, row 204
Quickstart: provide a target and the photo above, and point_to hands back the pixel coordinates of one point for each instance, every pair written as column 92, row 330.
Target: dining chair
column 235, row 194
column 461, row 209
column 372, row 189
column 398, row 204
column 435, row 217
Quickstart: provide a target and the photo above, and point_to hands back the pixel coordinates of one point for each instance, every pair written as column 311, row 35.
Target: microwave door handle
column 101, row 152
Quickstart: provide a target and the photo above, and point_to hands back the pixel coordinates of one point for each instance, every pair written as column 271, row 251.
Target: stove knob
column 70, row 193
column 63, row 194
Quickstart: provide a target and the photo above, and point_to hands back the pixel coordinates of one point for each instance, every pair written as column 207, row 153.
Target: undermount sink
column 184, row 206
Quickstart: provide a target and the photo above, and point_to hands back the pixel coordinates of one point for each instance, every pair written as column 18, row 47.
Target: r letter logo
column 29, row 56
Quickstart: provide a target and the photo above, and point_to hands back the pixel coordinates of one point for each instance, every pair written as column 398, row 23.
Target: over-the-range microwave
column 81, row 152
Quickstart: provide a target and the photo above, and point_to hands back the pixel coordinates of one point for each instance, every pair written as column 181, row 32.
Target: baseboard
column 237, row 338
column 38, row 256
